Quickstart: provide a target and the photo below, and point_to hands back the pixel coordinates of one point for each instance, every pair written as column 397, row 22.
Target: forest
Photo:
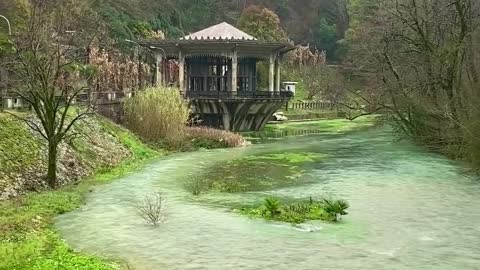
column 319, row 23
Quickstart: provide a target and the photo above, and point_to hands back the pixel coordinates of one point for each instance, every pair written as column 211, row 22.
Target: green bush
column 272, row 206
column 158, row 113
column 298, row 212
column 335, row 208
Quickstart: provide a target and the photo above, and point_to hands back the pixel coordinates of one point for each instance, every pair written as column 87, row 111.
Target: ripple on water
column 409, row 210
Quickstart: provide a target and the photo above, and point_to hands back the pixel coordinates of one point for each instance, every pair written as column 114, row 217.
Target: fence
column 312, row 106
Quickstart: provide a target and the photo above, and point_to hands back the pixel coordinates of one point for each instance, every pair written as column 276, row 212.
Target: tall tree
column 48, row 69
column 262, row 23
column 419, row 53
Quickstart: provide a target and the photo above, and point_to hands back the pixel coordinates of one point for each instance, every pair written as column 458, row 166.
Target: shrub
column 209, row 138
column 195, row 186
column 272, row 206
column 335, row 208
column 158, row 113
column 150, row 208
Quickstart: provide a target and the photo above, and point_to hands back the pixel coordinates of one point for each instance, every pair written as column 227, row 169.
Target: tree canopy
column 262, row 23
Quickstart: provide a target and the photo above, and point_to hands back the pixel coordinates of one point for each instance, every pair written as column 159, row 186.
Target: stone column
column 271, row 77
column 159, row 69
column 234, row 72
column 181, row 72
column 278, row 75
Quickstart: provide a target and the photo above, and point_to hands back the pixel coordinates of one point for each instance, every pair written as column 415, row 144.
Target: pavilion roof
column 221, row 31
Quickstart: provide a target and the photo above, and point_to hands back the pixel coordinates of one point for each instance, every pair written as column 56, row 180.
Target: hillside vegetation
column 320, row 23
column 96, row 144
column 99, row 152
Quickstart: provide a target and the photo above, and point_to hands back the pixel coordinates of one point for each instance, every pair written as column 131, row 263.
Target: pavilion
column 217, row 72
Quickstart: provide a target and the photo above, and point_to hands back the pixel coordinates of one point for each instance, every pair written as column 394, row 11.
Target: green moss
column 328, row 126
column 288, row 157
column 255, row 173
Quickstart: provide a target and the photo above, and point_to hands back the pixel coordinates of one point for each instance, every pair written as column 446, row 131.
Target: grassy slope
column 28, row 239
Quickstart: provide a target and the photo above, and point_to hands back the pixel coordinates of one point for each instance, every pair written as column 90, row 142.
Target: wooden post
column 159, row 71
column 234, row 72
column 181, row 72
column 271, row 77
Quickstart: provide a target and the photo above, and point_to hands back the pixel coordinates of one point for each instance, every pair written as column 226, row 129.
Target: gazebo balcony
column 262, row 95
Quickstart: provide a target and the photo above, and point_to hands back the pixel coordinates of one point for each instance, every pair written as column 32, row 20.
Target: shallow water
column 410, row 209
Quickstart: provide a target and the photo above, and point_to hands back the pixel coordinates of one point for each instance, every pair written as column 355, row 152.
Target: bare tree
column 151, row 208
column 49, row 71
column 420, row 55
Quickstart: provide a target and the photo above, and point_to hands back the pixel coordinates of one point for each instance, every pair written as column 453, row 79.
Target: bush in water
column 335, row 208
column 151, row 209
column 298, row 212
column 195, row 186
column 158, row 113
column 272, row 206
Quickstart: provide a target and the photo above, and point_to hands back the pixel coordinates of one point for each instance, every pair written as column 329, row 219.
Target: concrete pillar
column 234, row 72
column 181, row 72
column 159, row 69
column 8, row 103
column 271, row 77
column 277, row 75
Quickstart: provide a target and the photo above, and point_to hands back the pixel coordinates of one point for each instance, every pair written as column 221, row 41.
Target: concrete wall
column 236, row 115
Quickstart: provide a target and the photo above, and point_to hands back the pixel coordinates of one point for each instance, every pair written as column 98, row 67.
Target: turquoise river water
column 410, row 209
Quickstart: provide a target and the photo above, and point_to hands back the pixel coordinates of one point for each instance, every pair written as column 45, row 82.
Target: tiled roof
column 222, row 31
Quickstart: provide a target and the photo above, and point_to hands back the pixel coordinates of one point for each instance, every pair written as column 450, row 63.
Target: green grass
column 302, row 128
column 28, row 238
column 18, row 149
column 26, row 226
column 327, row 126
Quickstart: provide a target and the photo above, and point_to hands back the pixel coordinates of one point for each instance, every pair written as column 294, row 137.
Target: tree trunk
column 52, row 165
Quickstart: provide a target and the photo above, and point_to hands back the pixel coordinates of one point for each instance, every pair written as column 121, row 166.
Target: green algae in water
column 296, row 158
column 257, row 173
column 335, row 126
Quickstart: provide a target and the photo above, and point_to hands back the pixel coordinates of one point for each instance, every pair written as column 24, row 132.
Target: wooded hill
column 319, row 23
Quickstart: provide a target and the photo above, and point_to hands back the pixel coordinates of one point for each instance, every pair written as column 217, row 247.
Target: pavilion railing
column 227, row 94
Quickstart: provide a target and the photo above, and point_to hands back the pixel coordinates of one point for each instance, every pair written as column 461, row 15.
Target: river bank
column 101, row 153
column 28, row 239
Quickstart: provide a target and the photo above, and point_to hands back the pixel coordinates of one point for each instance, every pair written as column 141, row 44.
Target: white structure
column 290, row 86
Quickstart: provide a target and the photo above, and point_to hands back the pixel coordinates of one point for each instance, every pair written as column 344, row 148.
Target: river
column 410, row 209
